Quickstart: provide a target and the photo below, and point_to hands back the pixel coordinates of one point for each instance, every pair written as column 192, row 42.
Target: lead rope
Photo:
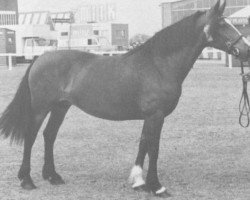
column 244, row 106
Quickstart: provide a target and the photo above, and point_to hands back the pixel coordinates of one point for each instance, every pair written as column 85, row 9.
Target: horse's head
column 221, row 33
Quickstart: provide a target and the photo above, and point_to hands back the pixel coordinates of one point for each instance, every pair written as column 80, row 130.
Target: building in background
column 91, row 27
column 8, row 12
column 86, row 28
column 8, row 16
column 175, row 10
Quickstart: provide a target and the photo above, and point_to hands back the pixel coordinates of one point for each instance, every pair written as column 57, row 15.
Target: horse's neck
column 180, row 62
column 190, row 55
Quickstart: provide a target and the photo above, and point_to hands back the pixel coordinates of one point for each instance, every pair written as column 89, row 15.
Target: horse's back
column 52, row 72
column 102, row 86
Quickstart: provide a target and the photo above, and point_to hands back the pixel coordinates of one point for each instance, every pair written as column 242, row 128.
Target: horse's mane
column 173, row 37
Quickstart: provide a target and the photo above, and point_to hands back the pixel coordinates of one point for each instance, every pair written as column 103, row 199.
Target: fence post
column 230, row 61
column 10, row 62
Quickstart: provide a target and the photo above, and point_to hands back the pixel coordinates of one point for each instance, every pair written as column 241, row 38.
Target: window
column 29, row 43
column 120, row 33
column 40, row 42
column 96, row 32
column 92, row 42
column 89, row 42
column 64, row 33
column 10, row 40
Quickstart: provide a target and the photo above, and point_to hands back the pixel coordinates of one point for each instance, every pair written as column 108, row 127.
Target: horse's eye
column 222, row 22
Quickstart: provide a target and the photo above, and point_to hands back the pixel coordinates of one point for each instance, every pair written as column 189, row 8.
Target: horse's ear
column 212, row 16
column 217, row 9
column 222, row 7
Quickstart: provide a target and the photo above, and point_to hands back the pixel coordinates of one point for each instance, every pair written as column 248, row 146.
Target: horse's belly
column 110, row 112
column 107, row 104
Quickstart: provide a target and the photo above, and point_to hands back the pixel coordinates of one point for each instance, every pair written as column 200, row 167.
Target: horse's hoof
column 162, row 193
column 56, row 181
column 141, row 188
column 28, row 185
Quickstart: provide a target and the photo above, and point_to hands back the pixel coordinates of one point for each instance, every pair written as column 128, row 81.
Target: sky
column 143, row 16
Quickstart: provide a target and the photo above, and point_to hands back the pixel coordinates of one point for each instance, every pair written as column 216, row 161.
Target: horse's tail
column 16, row 119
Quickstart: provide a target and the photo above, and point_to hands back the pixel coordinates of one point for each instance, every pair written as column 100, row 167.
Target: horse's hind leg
column 57, row 115
column 24, row 172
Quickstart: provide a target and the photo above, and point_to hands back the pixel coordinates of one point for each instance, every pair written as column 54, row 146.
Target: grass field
column 204, row 153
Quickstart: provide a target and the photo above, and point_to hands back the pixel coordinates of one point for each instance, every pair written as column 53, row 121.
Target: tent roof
column 33, row 18
column 243, row 13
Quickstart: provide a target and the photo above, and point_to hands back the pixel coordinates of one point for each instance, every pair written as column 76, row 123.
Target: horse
column 142, row 84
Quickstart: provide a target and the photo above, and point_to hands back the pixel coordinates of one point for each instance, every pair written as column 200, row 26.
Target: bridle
column 244, row 105
column 230, row 44
column 231, row 49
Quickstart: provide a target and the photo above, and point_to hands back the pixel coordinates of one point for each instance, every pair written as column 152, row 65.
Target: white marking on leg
column 160, row 191
column 136, row 177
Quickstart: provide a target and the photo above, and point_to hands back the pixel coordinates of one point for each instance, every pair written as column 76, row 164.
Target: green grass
column 204, row 153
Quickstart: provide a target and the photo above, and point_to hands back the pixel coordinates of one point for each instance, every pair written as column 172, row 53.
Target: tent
column 241, row 17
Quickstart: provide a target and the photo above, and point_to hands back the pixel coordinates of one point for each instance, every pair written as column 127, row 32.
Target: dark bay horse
column 144, row 84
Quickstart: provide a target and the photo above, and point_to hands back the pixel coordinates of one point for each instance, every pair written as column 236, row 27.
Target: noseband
column 231, row 46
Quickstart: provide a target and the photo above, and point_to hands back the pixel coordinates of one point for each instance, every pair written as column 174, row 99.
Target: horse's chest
column 162, row 98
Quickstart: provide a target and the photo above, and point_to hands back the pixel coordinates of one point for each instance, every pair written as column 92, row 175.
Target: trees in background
column 137, row 40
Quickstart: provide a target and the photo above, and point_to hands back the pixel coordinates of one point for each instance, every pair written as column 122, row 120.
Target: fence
column 10, row 55
column 213, row 56
column 208, row 55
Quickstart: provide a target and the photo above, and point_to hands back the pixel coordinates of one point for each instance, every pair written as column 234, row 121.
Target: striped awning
column 33, row 18
column 62, row 17
column 241, row 17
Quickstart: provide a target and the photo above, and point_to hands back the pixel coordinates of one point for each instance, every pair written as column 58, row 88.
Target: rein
column 244, row 106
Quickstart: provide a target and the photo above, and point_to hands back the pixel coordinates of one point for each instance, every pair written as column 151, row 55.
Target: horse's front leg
column 149, row 143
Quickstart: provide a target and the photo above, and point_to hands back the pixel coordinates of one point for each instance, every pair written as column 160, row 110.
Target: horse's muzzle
column 242, row 55
column 236, row 52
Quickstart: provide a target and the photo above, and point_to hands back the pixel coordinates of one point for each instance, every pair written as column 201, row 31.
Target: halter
column 231, row 48
column 244, row 106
